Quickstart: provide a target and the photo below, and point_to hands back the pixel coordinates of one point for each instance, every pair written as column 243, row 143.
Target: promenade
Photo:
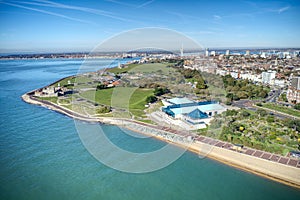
column 276, row 167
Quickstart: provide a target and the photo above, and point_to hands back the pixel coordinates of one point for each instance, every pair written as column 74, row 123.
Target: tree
column 216, row 123
column 297, row 106
column 160, row 91
column 242, row 95
column 103, row 109
column 235, row 97
column 295, row 124
column 230, row 96
column 151, row 99
column 231, row 112
column 245, row 113
column 259, row 104
column 263, row 94
column 261, row 112
column 270, row 119
column 101, row 86
column 201, row 85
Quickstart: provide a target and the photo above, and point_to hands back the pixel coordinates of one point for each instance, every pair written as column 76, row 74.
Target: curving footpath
column 279, row 168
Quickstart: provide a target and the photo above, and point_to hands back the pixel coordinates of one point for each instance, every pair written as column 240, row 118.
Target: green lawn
column 283, row 109
column 144, row 68
column 121, row 97
column 153, row 67
column 51, row 99
column 82, row 79
column 116, row 70
column 65, row 81
column 99, row 96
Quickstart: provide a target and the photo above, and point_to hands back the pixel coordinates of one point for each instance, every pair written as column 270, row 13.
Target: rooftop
column 180, row 100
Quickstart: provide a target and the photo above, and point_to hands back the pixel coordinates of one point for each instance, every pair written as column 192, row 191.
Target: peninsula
column 162, row 98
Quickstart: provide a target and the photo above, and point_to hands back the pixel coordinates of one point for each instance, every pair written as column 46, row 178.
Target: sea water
column 42, row 156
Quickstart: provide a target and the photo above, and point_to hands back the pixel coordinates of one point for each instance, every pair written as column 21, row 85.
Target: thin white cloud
column 51, row 4
column 145, row 4
column 84, row 9
column 187, row 17
column 280, row 10
column 217, row 17
column 63, row 6
column 121, row 3
column 131, row 5
column 48, row 12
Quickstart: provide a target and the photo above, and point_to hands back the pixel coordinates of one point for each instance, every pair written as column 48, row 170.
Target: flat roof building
column 191, row 111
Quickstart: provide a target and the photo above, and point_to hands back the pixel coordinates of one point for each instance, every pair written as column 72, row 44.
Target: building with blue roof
column 191, row 111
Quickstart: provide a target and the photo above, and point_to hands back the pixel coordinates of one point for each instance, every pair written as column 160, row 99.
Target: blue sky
column 76, row 25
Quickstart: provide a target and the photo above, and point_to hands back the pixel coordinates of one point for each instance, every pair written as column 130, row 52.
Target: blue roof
column 183, row 110
column 197, row 114
column 202, row 108
column 195, row 110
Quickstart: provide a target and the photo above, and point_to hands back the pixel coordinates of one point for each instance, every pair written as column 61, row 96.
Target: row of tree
column 158, row 91
column 195, row 76
column 243, row 89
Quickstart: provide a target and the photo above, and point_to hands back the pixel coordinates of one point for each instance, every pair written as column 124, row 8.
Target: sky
column 77, row 25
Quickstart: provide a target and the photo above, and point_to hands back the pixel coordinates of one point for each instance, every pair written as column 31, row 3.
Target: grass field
column 116, row 70
column 283, row 109
column 144, row 68
column 121, row 97
column 65, row 81
column 153, row 67
column 51, row 99
column 99, row 96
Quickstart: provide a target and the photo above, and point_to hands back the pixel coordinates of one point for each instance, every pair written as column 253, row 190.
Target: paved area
column 246, row 150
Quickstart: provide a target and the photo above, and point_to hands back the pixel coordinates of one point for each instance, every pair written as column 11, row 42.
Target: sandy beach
column 284, row 173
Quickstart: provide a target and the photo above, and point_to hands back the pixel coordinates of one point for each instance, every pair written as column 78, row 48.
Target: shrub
column 151, row 99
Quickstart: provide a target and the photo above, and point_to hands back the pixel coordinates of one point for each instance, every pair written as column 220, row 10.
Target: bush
column 297, row 106
column 151, row 99
column 103, row 109
column 245, row 113
column 261, row 112
column 228, row 103
column 270, row 119
column 231, row 112
column 101, row 86
column 160, row 91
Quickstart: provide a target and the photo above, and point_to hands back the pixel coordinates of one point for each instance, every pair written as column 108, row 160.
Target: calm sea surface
column 42, row 157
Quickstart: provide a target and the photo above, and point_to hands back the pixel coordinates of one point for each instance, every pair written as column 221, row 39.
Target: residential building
column 293, row 93
column 227, row 53
column 268, row 77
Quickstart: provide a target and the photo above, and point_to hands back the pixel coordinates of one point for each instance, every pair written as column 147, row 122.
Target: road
column 273, row 95
column 248, row 104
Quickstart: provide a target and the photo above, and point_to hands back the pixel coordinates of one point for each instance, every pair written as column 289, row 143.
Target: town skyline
column 49, row 26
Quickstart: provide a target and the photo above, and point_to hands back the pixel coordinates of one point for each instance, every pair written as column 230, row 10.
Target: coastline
column 268, row 169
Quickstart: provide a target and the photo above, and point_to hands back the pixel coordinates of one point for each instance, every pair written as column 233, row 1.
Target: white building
column 227, row 53
column 234, row 75
column 221, row 72
column 280, row 83
column 196, row 114
column 293, row 93
column 268, row 77
column 207, row 52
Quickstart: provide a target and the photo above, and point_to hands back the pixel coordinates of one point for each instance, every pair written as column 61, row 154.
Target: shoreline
column 275, row 171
